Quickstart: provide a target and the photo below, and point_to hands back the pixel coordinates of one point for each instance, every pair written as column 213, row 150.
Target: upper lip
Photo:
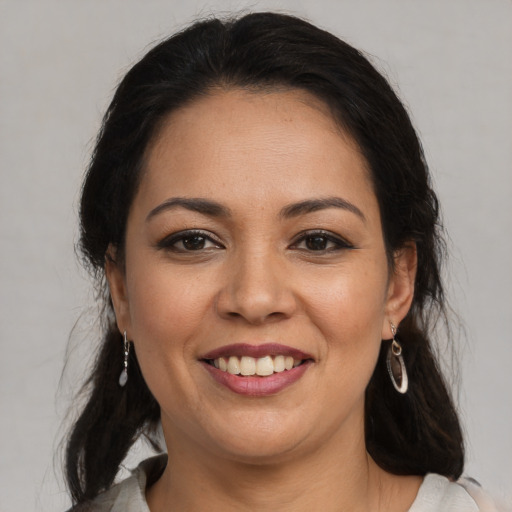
column 256, row 351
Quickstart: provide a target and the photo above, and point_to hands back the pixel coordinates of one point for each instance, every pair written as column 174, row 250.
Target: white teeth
column 233, row 365
column 279, row 364
column 262, row 366
column 247, row 365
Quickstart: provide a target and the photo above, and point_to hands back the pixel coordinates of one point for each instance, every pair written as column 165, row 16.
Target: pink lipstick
column 256, row 370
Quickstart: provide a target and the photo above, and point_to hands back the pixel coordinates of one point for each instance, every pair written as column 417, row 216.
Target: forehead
column 254, row 146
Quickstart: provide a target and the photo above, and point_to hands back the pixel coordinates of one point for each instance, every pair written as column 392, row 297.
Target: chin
column 256, row 438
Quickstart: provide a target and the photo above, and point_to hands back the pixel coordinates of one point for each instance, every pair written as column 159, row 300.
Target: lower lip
column 258, row 386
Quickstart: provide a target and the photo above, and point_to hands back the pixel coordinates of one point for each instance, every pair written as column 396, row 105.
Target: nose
column 257, row 290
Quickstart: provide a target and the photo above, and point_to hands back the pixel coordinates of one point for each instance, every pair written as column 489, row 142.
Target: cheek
column 167, row 310
column 349, row 312
column 348, row 302
column 167, row 315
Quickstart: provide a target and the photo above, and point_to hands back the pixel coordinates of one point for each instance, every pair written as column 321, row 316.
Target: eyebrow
column 314, row 205
column 195, row 204
column 215, row 209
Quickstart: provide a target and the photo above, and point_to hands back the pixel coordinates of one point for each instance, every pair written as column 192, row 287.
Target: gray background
column 451, row 61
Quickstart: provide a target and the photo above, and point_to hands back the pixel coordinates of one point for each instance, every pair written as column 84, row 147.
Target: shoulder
column 437, row 494
column 128, row 495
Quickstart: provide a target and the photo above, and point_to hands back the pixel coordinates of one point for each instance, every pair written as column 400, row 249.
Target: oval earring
column 396, row 365
column 123, row 378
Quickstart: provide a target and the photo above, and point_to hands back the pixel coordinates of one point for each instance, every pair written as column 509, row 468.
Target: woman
column 259, row 210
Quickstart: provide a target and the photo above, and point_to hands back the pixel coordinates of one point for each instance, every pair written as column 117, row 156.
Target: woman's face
column 254, row 243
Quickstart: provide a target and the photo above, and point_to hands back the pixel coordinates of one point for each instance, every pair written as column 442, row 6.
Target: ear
column 401, row 287
column 114, row 272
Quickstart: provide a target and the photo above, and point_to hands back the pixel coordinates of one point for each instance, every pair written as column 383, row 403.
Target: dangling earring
column 123, row 378
column 396, row 365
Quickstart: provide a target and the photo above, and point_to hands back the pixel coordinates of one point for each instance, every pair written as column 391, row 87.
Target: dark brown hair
column 414, row 433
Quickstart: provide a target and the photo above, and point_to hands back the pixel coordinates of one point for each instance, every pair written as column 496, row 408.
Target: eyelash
column 169, row 243
column 339, row 243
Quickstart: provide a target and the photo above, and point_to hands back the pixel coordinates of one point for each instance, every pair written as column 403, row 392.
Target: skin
column 256, row 276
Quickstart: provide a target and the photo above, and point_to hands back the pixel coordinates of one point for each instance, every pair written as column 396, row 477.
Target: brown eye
column 189, row 241
column 316, row 243
column 321, row 241
column 194, row 243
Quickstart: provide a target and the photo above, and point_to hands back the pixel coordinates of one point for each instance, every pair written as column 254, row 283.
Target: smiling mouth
column 247, row 366
column 257, row 370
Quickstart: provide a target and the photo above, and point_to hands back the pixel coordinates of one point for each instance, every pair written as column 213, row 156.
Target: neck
column 339, row 476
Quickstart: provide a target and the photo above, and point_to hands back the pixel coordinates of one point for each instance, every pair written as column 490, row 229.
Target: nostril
column 255, row 319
